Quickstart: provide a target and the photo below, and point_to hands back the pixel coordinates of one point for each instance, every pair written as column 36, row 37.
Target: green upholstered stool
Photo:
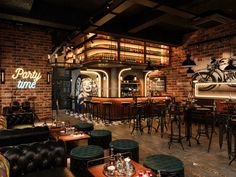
column 85, row 127
column 100, row 137
column 81, row 155
column 126, row 145
column 169, row 166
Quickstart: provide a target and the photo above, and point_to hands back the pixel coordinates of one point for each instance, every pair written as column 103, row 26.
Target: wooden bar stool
column 107, row 109
column 95, row 109
column 125, row 108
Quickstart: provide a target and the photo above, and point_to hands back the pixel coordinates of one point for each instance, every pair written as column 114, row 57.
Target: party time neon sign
column 26, row 79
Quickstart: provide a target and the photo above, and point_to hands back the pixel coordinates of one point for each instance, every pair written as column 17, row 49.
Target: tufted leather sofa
column 16, row 116
column 26, row 118
column 10, row 137
column 31, row 153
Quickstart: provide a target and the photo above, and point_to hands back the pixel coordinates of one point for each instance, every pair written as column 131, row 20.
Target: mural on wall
column 213, row 81
column 85, row 87
column 214, row 72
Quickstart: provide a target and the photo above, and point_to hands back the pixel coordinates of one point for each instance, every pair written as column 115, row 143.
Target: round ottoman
column 167, row 165
column 79, row 157
column 85, row 127
column 100, row 138
column 126, row 145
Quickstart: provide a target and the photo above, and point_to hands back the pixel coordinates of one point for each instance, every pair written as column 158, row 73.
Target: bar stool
column 95, row 109
column 107, row 108
column 175, row 117
column 148, row 112
column 88, row 109
column 137, row 126
column 125, row 107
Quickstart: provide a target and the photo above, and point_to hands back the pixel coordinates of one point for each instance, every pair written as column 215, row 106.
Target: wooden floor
column 198, row 162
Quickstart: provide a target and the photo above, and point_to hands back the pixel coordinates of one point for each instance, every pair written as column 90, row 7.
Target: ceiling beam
column 146, row 3
column 148, row 24
column 36, row 22
column 174, row 11
column 104, row 19
column 122, row 7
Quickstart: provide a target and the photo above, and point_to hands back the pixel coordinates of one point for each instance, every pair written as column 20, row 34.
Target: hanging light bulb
column 74, row 60
column 49, row 59
column 56, row 56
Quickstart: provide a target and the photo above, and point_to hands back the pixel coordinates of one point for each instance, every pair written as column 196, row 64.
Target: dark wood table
column 97, row 171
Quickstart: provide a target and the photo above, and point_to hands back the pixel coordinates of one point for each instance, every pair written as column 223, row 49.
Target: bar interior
column 117, row 88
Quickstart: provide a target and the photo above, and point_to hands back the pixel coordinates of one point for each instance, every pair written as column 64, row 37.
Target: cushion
column 3, row 122
column 4, row 166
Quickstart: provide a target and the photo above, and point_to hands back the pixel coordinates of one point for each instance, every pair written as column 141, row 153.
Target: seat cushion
column 100, row 138
column 86, row 152
column 4, row 167
column 86, row 127
column 165, row 163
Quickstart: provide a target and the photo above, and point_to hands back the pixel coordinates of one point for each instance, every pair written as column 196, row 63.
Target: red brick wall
column 178, row 83
column 26, row 47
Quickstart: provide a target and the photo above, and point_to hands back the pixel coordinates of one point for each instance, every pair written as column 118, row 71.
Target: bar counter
column 118, row 112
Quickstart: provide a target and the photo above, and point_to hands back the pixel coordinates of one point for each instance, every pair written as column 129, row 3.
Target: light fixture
column 135, row 78
column 190, row 71
column 2, row 76
column 188, row 63
column 48, row 77
column 74, row 60
column 149, row 67
column 230, row 66
column 56, row 56
column 104, row 77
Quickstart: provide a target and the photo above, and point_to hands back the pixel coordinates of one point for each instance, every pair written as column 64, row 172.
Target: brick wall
column 25, row 46
column 178, row 82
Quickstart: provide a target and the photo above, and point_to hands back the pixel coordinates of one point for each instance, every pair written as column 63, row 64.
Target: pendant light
column 188, row 63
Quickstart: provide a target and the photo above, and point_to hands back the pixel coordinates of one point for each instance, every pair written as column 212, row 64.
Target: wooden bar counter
column 117, row 111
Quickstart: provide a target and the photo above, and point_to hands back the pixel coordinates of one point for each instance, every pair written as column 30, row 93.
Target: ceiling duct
column 211, row 21
column 19, row 6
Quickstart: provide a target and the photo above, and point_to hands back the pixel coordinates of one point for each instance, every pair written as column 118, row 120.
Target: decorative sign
column 26, row 79
column 215, row 90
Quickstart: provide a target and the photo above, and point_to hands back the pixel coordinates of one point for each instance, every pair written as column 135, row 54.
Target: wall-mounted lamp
column 188, row 63
column 2, row 76
column 135, row 78
column 48, row 77
column 104, row 77
column 230, row 66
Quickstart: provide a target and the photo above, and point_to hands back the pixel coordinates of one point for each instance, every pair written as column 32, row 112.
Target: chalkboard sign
column 156, row 85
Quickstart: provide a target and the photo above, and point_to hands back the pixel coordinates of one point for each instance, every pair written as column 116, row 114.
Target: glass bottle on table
column 111, row 163
column 119, row 164
column 112, row 157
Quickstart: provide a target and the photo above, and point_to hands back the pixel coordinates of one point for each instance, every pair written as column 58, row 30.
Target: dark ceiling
column 165, row 21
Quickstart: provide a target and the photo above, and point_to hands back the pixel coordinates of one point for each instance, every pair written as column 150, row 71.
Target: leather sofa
column 32, row 153
column 18, row 117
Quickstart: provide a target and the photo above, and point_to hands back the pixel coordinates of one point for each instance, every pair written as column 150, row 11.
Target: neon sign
column 26, row 79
